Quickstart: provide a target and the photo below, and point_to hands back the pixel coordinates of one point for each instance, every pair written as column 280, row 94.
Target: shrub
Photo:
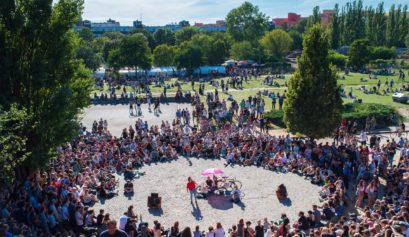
column 359, row 113
column 337, row 59
column 275, row 117
column 351, row 111
column 382, row 52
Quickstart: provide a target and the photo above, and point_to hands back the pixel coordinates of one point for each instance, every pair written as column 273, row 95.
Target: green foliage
column 360, row 111
column 382, row 52
column 337, row 59
column 164, row 55
column 164, row 36
column 40, row 73
column 351, row 111
column 89, row 57
column 13, row 141
column 186, row 34
column 315, row 18
column 243, row 50
column 189, row 57
column 359, row 54
column 275, row 117
column 296, row 39
column 219, row 49
column 335, row 28
column 246, row 23
column 313, row 104
column 86, row 35
column 277, row 43
column 134, row 52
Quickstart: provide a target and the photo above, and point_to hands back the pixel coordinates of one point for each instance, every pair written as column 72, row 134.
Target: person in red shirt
column 191, row 187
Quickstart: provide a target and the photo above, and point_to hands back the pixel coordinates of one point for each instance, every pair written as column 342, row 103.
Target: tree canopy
column 277, row 43
column 164, row 55
column 40, row 73
column 246, row 23
column 313, row 104
column 359, row 53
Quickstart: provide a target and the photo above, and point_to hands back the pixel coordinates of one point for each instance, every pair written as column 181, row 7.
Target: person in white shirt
column 363, row 137
column 122, row 221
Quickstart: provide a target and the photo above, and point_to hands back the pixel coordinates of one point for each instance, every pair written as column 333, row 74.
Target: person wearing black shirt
column 259, row 229
column 303, row 222
column 100, row 217
column 112, row 231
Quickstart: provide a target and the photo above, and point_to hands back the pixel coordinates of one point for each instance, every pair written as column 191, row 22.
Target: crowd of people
column 58, row 201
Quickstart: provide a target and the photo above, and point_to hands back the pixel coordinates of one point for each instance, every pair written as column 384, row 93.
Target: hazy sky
column 160, row 12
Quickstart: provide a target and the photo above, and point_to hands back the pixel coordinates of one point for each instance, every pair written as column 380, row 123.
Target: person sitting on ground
column 128, row 187
column 281, row 192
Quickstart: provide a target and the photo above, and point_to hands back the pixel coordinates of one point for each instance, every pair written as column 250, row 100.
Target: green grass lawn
column 253, row 86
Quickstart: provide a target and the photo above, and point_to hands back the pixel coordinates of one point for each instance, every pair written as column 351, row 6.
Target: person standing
column 191, row 188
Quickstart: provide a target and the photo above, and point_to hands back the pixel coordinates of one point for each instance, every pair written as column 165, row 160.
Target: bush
column 337, row 59
column 359, row 113
column 275, row 117
column 382, row 52
column 351, row 111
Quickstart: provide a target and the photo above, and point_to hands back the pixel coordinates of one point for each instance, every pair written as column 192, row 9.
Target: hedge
column 352, row 111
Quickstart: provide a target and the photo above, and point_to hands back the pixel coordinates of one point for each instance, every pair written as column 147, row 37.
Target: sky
column 161, row 12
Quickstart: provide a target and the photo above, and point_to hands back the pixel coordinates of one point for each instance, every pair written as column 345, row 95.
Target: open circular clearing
column 169, row 180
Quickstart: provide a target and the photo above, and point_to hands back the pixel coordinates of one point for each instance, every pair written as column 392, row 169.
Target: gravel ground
column 118, row 116
column 169, row 180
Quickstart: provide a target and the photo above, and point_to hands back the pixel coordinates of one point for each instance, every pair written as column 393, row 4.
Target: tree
column 296, row 39
column 359, row 54
column 337, row 59
column 40, row 74
column 164, row 55
column 382, row 52
column 335, row 28
column 219, row 49
column 86, row 35
column 13, row 141
column 277, row 43
column 134, row 52
column 246, row 23
column 407, row 41
column 315, row 18
column 188, row 57
column 89, row 57
column 313, row 105
column 243, row 50
column 186, row 33
column 164, row 36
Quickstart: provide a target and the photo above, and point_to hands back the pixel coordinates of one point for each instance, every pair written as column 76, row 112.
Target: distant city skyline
column 162, row 12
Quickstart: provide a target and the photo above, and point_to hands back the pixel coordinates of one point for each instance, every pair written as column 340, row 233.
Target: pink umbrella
column 212, row 171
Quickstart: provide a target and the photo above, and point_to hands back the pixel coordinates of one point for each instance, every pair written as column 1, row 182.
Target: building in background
column 99, row 28
column 292, row 19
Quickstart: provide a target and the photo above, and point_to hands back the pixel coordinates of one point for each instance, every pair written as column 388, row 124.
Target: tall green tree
column 188, row 57
column 315, row 18
column 13, row 141
column 246, row 23
column 277, row 43
column 164, row 36
column 313, row 105
column 89, row 55
column 40, row 74
column 243, row 50
column 186, row 34
column 335, row 28
column 164, row 55
column 296, row 39
column 219, row 51
column 86, row 35
column 134, row 52
column 359, row 54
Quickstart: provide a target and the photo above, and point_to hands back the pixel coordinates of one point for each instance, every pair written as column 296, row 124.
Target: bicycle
column 228, row 183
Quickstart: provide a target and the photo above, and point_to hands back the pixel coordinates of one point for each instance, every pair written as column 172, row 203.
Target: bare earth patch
column 169, row 180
